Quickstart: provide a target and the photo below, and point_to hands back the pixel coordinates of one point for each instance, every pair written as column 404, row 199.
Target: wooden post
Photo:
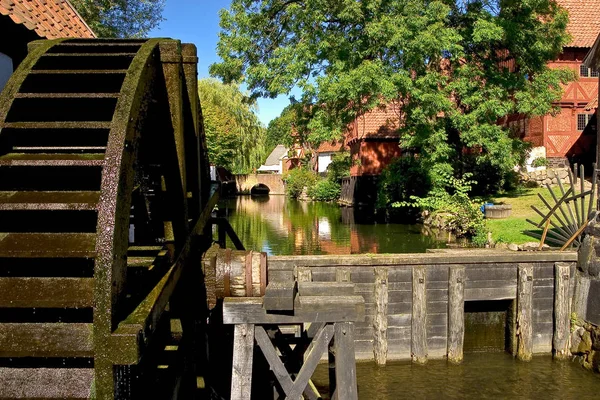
column 343, row 275
column 345, row 362
column 380, row 322
column 456, row 313
column 562, row 311
column 580, row 297
column 303, row 274
column 241, row 371
column 419, row 315
column 524, row 312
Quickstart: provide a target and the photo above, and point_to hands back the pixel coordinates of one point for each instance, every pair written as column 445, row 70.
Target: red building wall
column 374, row 156
column 558, row 133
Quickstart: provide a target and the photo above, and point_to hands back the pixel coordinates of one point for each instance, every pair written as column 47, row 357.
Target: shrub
column 464, row 216
column 339, row 167
column 402, row 180
column 539, row 162
column 325, row 190
column 297, row 180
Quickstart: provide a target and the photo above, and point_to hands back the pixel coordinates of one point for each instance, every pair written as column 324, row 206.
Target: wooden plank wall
column 487, row 278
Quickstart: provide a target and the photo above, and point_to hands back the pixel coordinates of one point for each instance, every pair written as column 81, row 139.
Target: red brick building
column 569, row 135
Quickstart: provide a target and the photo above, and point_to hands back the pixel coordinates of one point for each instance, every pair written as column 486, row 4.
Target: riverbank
column 511, row 230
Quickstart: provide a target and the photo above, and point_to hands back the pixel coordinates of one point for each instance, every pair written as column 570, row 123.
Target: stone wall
column 585, row 344
column 546, row 176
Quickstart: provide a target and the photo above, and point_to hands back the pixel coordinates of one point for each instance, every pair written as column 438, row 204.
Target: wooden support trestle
column 326, row 321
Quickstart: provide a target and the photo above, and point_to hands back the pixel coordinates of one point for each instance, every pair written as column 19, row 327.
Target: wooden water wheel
column 568, row 213
column 104, row 193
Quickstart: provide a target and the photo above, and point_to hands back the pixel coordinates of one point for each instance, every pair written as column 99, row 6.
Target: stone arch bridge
column 245, row 183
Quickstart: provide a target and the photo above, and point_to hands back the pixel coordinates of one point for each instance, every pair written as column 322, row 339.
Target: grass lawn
column 510, row 230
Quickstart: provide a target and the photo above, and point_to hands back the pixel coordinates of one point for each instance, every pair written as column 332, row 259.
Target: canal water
column 480, row 376
column 281, row 226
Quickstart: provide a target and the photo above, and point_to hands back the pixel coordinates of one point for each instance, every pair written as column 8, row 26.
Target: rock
column 501, row 246
column 513, row 247
column 530, row 246
column 563, row 174
column 585, row 346
column 547, row 181
column 554, row 181
column 550, row 174
column 576, row 339
column 595, row 338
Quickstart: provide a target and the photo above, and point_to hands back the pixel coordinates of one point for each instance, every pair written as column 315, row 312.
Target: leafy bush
column 463, row 215
column 539, row 162
column 339, row 167
column 325, row 190
column 402, row 180
column 297, row 180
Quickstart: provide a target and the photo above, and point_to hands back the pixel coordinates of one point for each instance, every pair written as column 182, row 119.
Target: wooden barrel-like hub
column 234, row 273
column 498, row 212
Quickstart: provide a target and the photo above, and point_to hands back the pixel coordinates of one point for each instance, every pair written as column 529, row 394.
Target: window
column 586, row 72
column 583, row 120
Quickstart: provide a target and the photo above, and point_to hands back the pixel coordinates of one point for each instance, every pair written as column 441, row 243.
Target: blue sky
column 197, row 21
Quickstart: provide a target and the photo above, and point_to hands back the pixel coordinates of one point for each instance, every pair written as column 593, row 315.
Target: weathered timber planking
column 437, row 331
column 543, row 291
column 303, row 274
column 368, row 296
column 325, row 289
column 399, row 333
column 46, row 383
column 400, row 296
column 491, row 283
column 363, row 287
column 502, row 293
column 400, row 320
column 46, row 340
column 539, row 282
column 491, row 273
column 456, row 313
column 399, row 349
column 436, row 273
column 364, row 332
column 405, row 286
column 406, row 260
column 543, row 303
column 46, row 292
column 345, row 363
column 343, row 275
column 543, row 271
column 419, row 316
column 281, row 276
column 241, row 370
column 524, row 311
column 322, row 274
column 400, row 273
column 437, row 285
column 279, row 296
column 400, row 308
column 438, row 294
column 437, row 307
column 380, row 322
column 542, row 315
column 438, row 319
column 270, row 354
column 364, row 346
column 245, row 310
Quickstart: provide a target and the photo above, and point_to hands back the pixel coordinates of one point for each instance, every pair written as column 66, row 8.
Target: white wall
column 6, row 69
column 323, row 161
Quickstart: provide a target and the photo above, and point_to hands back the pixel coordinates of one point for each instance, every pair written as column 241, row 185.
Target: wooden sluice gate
column 415, row 303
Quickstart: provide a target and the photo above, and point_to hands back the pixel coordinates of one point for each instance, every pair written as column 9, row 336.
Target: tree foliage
column 455, row 67
column 234, row 135
column 120, row 18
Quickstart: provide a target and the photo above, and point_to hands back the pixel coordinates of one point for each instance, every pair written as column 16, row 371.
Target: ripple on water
column 480, row 376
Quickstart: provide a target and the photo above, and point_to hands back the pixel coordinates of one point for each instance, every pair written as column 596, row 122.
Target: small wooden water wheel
column 567, row 214
column 104, row 190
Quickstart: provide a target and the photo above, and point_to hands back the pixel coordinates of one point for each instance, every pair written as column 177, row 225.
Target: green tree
column 120, row 18
column 235, row 137
column 280, row 128
column 455, row 68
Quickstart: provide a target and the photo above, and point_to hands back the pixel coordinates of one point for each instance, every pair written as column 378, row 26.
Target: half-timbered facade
column 570, row 134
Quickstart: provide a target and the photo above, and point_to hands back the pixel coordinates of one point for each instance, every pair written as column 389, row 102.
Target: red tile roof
column 584, row 21
column 50, row 19
column 379, row 123
column 332, row 146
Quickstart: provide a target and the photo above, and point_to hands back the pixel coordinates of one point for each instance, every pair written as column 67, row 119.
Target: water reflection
column 278, row 225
